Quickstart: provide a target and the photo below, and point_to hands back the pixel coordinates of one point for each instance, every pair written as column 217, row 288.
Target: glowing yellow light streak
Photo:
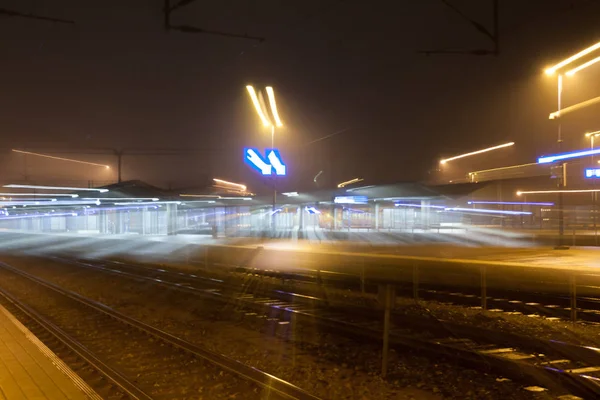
column 227, row 183
column 257, row 106
column 582, row 66
column 574, row 107
column 211, row 196
column 61, row 158
column 501, row 168
column 273, row 104
column 519, row 193
column 351, row 181
column 444, row 161
column 595, row 133
column 569, row 60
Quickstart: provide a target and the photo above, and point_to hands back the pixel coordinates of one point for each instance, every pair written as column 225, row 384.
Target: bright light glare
column 521, row 192
column 60, row 158
column 351, row 181
column 237, row 185
column 273, row 104
column 565, row 156
column 569, row 60
column 444, row 161
column 290, row 194
column 56, row 188
column 257, row 106
column 40, row 194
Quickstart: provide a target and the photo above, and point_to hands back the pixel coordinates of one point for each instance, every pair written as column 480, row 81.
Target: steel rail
column 263, row 379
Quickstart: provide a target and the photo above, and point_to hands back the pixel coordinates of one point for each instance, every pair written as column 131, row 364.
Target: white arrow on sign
column 257, row 160
column 276, row 163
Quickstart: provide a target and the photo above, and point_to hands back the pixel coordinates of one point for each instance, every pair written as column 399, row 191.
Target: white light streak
column 56, row 188
column 121, row 198
column 40, row 194
column 521, row 192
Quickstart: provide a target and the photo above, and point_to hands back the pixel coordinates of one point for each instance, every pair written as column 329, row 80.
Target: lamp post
column 261, row 110
column 592, row 135
column 551, row 71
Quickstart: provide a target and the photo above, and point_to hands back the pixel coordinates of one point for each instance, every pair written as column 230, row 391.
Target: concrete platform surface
column 31, row 371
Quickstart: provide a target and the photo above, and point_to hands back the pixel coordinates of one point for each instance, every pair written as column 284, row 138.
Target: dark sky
column 116, row 79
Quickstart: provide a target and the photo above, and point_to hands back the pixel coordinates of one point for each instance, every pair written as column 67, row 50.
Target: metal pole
column 119, row 154
column 274, row 182
column 483, row 288
column 561, row 221
column 386, row 330
column 416, row 282
column 573, row 290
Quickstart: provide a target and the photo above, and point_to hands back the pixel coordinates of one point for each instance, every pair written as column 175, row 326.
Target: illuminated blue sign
column 592, row 172
column 269, row 165
column 565, row 156
column 350, row 200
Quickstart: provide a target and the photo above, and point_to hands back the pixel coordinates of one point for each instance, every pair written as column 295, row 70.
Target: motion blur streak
column 350, row 182
column 40, row 194
column 227, row 183
column 273, row 104
column 74, row 189
column 582, row 66
column 519, row 193
column 61, row 158
column 569, row 60
column 574, row 107
column 515, row 203
column 481, row 210
column 501, row 168
column 566, row 156
column 444, row 161
column 257, row 106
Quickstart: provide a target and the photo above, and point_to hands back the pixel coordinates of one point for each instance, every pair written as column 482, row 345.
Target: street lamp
column 261, row 110
column 551, row 71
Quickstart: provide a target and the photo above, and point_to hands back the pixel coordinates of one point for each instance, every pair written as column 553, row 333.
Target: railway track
column 553, row 364
column 139, row 361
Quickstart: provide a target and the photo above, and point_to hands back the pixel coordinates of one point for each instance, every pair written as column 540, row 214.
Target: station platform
column 31, row 371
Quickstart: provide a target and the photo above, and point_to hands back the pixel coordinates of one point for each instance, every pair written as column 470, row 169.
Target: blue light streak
column 419, row 206
column 566, row 156
column 481, row 210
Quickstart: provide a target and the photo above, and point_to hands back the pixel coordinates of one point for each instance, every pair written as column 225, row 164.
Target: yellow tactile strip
column 30, row 370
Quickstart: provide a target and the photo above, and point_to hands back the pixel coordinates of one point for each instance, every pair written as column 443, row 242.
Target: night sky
column 116, row 79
